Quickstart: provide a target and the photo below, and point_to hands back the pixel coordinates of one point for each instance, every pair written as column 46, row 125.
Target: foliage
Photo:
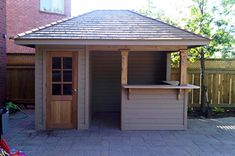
column 175, row 59
column 210, row 22
column 218, row 110
column 199, row 23
column 11, row 107
column 223, row 39
column 213, row 20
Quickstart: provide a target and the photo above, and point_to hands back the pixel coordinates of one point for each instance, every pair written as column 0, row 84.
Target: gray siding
column 39, row 122
column 147, row 67
column 106, row 81
column 40, row 87
column 82, row 122
column 87, row 89
column 153, row 109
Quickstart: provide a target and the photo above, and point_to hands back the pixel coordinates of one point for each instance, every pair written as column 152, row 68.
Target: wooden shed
column 110, row 61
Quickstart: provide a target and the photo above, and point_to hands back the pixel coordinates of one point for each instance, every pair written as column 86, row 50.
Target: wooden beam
column 183, row 67
column 124, row 72
column 137, row 48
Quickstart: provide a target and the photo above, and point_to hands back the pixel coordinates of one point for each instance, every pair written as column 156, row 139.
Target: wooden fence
column 220, row 80
column 20, row 78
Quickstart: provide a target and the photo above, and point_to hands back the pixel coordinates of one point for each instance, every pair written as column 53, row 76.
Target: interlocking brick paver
column 204, row 137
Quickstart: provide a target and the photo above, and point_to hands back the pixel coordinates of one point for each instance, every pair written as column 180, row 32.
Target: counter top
column 164, row 86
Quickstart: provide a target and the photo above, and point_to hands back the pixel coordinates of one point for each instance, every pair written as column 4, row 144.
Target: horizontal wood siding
column 147, row 67
column 106, row 81
column 153, row 109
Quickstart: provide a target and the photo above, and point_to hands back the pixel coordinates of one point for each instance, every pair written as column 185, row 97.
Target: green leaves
column 211, row 22
column 213, row 19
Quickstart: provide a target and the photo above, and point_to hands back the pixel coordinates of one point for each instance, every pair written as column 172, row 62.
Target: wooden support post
column 124, row 78
column 168, row 67
column 183, row 69
column 124, row 74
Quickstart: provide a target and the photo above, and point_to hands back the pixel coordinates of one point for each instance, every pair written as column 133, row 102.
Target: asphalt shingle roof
column 110, row 25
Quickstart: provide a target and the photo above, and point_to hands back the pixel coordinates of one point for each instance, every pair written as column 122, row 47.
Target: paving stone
column 204, row 137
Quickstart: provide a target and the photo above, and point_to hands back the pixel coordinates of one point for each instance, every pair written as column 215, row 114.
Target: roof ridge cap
column 155, row 19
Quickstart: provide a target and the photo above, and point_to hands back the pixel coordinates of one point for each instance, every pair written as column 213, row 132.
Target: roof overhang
column 34, row 42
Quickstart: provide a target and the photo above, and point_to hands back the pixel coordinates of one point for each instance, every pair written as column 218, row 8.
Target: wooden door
column 61, row 110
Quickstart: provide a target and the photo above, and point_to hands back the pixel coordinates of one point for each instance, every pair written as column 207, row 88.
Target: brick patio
column 203, row 137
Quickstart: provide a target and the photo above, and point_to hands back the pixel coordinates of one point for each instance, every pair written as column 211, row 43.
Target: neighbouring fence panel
column 20, row 78
column 220, row 82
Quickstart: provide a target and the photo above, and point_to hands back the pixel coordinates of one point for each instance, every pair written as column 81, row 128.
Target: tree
column 223, row 38
column 211, row 24
column 200, row 23
column 207, row 20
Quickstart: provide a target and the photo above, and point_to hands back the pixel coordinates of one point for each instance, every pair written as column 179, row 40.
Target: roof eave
column 33, row 42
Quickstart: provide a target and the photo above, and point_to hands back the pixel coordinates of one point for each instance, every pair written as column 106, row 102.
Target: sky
column 170, row 7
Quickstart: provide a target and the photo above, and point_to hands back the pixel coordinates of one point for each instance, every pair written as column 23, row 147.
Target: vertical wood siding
column 20, row 82
column 20, row 76
column 153, row 109
column 220, row 84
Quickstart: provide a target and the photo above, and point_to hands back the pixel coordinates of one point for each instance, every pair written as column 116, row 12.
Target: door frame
column 75, row 94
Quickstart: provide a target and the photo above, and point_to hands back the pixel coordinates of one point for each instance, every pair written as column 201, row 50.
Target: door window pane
column 67, row 63
column 67, row 76
column 56, row 89
column 62, row 75
column 56, row 76
column 67, row 89
column 56, row 63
